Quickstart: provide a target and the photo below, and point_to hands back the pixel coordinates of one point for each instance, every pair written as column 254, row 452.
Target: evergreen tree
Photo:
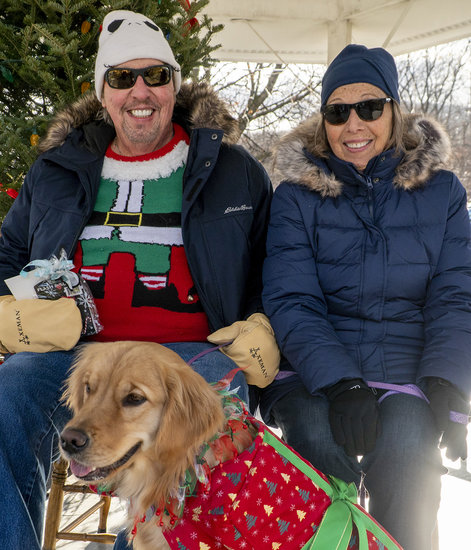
column 283, row 526
column 250, row 520
column 303, row 493
column 47, row 52
column 271, row 486
column 237, row 535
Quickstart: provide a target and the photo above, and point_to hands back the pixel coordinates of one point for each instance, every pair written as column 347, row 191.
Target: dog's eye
column 133, row 400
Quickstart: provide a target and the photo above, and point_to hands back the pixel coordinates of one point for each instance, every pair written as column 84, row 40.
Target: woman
column 368, row 279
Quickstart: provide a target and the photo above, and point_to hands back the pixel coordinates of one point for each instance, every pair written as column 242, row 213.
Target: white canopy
column 314, row 31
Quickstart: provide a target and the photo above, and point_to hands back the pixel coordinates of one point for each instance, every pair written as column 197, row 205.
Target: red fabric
column 258, row 501
column 121, row 320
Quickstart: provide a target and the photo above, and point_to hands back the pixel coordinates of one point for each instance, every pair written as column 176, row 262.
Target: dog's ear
column 73, row 394
column 193, row 413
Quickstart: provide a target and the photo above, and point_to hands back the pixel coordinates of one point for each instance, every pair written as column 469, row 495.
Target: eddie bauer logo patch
column 243, row 207
column 254, row 352
column 23, row 338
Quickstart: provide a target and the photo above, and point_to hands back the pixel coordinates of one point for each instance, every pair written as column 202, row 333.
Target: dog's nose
column 74, row 441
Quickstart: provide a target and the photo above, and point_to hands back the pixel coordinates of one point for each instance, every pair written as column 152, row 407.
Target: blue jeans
column 402, row 474
column 31, row 418
column 212, row 366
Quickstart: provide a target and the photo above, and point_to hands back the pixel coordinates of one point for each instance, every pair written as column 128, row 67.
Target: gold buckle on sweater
column 130, row 219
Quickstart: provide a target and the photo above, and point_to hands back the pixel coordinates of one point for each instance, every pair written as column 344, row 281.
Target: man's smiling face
column 142, row 115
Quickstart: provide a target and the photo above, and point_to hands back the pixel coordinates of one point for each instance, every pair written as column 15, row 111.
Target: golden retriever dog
column 140, row 416
column 191, row 461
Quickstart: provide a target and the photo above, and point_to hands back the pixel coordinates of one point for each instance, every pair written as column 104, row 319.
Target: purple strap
column 460, row 418
column 412, row 389
column 204, row 352
column 282, row 374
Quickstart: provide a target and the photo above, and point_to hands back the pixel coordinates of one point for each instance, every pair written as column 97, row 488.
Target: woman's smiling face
column 358, row 141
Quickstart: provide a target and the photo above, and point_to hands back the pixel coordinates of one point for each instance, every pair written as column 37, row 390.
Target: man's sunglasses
column 338, row 113
column 124, row 78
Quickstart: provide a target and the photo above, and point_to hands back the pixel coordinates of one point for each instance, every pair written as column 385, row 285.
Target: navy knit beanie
column 357, row 63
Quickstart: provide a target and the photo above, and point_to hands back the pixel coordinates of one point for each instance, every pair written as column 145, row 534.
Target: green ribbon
column 335, row 529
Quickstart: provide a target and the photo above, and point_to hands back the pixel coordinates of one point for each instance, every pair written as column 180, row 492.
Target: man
column 162, row 215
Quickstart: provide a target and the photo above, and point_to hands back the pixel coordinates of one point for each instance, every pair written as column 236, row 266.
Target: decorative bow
column 336, row 527
column 53, row 269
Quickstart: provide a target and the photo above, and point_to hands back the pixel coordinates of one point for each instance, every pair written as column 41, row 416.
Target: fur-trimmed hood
column 197, row 103
column 292, row 152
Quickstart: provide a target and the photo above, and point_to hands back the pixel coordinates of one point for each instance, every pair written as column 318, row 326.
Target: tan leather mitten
column 38, row 325
column 253, row 348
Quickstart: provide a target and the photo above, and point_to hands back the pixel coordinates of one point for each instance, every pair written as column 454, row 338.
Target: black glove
column 445, row 397
column 353, row 416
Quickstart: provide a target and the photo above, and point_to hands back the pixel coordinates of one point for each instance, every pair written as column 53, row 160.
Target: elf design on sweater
column 131, row 251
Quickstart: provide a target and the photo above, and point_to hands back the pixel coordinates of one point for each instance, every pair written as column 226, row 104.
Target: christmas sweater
column 131, row 251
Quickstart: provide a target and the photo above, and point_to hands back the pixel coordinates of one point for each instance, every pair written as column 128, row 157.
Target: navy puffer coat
column 369, row 274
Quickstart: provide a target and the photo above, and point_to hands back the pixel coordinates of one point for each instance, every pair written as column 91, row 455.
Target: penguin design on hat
column 132, row 19
column 128, row 35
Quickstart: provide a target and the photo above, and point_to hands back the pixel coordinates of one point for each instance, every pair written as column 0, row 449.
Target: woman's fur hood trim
column 415, row 169
column 198, row 103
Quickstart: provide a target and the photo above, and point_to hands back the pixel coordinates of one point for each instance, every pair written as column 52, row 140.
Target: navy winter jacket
column 368, row 275
column 226, row 199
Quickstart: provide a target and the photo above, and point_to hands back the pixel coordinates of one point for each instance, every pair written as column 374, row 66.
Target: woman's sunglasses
column 338, row 113
column 124, row 78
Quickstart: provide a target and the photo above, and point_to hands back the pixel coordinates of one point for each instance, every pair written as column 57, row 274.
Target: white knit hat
column 127, row 35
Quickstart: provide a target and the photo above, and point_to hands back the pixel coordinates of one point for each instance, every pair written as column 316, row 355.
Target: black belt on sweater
column 136, row 219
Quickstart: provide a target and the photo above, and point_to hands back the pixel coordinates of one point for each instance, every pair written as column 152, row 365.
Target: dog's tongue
column 79, row 470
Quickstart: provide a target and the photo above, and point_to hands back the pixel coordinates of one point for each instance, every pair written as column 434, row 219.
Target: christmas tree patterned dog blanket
column 269, row 498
